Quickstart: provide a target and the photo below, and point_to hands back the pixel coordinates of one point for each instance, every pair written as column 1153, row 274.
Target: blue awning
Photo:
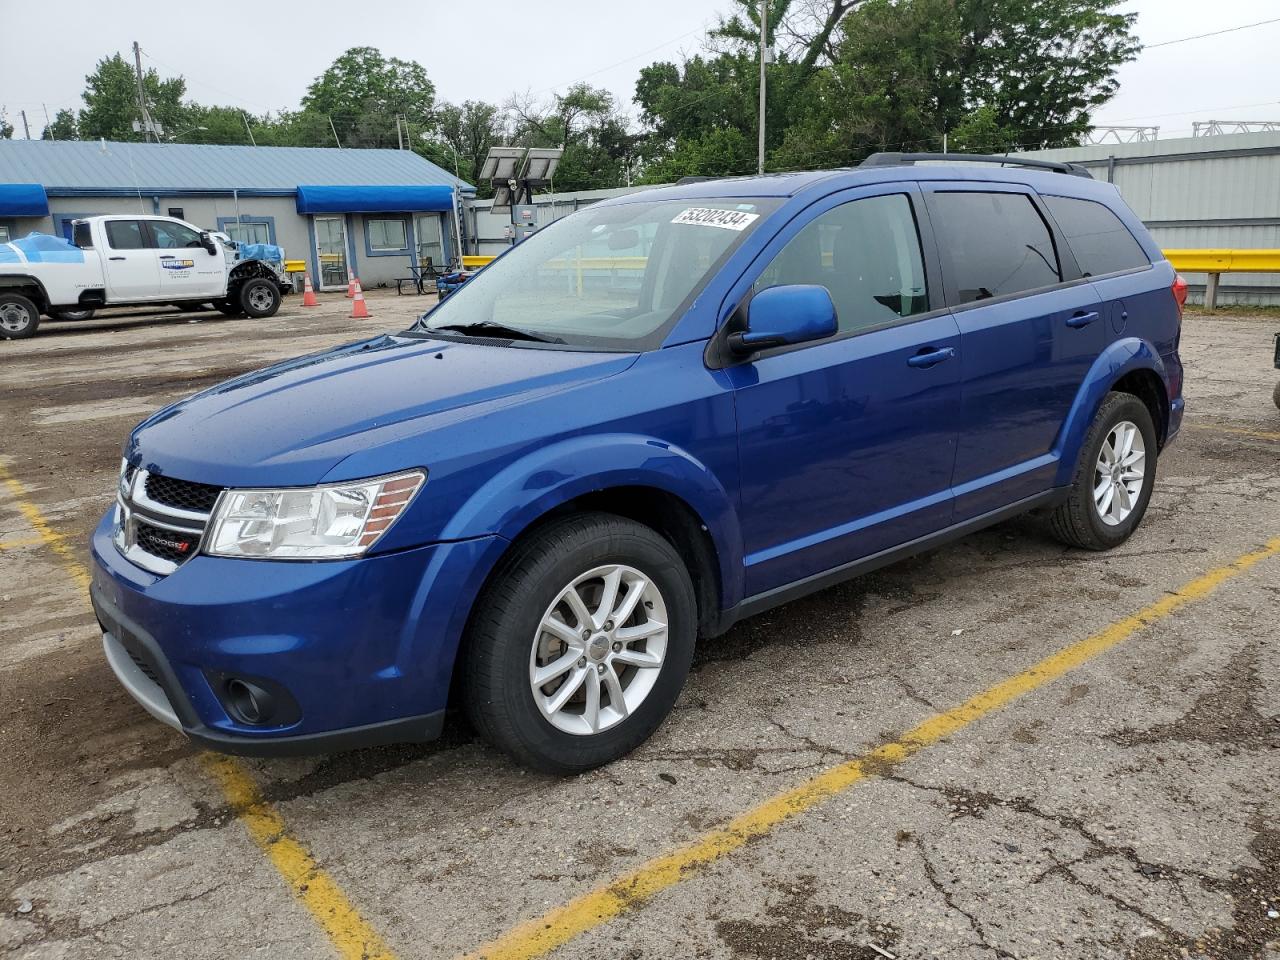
column 23, row 200
column 353, row 199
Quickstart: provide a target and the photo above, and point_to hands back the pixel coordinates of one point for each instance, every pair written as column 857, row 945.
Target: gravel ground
column 1128, row 809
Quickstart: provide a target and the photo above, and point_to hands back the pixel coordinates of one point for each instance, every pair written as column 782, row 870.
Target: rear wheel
column 259, row 298
column 62, row 314
column 579, row 647
column 19, row 317
column 1113, row 479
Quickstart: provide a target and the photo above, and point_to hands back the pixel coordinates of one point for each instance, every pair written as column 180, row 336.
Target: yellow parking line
column 540, row 936
column 1236, row 431
column 350, row 933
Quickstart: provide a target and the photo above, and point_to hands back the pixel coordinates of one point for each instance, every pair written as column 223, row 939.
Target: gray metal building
column 1218, row 191
column 372, row 213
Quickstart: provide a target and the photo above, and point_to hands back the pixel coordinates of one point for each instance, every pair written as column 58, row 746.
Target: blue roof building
column 375, row 214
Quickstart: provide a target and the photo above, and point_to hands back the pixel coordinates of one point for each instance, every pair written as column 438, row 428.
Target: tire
column 75, row 315
column 1275, row 395
column 506, row 642
column 19, row 317
column 1091, row 524
column 258, row 298
column 229, row 308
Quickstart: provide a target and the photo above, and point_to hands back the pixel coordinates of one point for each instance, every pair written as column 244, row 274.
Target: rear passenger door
column 1030, row 329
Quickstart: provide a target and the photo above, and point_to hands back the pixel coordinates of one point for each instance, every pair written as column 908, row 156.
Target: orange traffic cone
column 352, row 286
column 359, row 309
column 308, row 294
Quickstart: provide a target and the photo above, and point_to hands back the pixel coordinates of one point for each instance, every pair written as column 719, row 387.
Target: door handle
column 117, row 258
column 1080, row 319
column 167, row 256
column 928, row 357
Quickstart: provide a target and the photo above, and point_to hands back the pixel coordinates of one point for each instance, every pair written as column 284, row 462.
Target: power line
column 1215, row 33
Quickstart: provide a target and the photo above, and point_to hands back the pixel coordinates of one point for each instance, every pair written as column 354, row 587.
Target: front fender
column 1120, row 358
column 532, row 486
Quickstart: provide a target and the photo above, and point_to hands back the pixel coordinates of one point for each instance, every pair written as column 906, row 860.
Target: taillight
column 1180, row 292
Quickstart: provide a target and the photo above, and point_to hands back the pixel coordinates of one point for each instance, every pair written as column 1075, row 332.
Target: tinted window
column 866, row 253
column 1100, row 241
column 994, row 244
column 171, row 236
column 125, row 234
column 82, row 235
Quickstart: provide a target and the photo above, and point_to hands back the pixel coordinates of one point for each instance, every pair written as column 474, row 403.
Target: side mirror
column 206, row 241
column 782, row 316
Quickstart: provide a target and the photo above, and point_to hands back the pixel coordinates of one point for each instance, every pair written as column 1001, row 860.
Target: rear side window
column 994, row 244
column 125, row 235
column 1101, row 242
column 82, row 235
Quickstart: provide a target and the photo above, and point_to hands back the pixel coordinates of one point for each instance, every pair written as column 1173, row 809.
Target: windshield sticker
column 711, row 217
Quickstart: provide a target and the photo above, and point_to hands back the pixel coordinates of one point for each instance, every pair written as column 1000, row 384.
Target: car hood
column 289, row 424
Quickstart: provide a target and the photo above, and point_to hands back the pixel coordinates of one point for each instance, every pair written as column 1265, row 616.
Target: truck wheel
column 580, row 644
column 1113, row 479
column 1276, row 395
column 259, row 298
column 19, row 317
column 59, row 314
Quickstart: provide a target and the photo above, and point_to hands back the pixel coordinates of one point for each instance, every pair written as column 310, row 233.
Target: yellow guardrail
column 473, row 262
column 1217, row 262
column 295, row 266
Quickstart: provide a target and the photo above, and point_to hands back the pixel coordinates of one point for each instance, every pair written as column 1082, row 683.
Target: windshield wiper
column 482, row 328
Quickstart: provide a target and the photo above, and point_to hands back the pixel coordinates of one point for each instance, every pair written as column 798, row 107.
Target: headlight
column 309, row 523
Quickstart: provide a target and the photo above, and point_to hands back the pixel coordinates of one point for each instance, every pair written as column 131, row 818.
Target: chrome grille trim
column 134, row 506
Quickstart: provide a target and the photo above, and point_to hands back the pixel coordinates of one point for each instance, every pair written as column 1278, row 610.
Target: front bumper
column 364, row 648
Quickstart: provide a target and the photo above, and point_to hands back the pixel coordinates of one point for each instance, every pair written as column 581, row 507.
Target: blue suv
column 657, row 416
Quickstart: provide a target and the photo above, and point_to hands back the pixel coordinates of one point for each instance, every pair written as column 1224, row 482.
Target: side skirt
column 829, row 578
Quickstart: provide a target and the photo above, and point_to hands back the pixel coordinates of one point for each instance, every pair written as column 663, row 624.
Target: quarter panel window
column 1098, row 238
column 994, row 244
column 82, row 235
column 173, row 236
column 125, row 235
column 866, row 253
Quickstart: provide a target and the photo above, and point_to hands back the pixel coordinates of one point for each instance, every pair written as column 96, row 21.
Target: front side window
column 867, row 254
column 1100, row 241
column 173, row 236
column 125, row 235
column 387, row 235
column 994, row 244
column 614, row 276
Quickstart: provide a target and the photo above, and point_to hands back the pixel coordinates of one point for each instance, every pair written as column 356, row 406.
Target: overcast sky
column 262, row 56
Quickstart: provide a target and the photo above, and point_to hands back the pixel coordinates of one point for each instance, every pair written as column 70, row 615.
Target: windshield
column 609, row 277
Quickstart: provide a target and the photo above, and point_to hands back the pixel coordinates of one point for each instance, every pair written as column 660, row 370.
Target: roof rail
column 694, row 179
column 908, row 159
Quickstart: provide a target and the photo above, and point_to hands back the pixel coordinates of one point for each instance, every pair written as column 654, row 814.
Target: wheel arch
column 1130, row 365
column 27, row 286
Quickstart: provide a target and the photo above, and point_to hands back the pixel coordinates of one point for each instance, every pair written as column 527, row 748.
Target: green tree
column 462, row 135
column 64, row 127
column 6, row 128
column 363, row 92
column 111, row 101
column 599, row 150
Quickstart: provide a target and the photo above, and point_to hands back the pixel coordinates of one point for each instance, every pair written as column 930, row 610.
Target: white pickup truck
column 128, row 261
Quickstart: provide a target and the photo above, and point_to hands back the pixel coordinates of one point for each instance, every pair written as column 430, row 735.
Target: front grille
column 166, row 544
column 182, row 494
column 143, row 666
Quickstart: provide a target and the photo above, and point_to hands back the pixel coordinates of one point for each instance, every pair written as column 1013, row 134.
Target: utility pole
column 47, row 125
column 399, row 134
column 247, row 129
column 764, row 59
column 147, row 126
column 334, row 131
column 25, row 129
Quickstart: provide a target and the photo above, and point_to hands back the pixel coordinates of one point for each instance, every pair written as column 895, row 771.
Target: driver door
column 847, row 445
column 187, row 270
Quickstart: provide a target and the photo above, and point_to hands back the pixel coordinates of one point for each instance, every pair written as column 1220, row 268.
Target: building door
column 426, row 230
column 331, row 250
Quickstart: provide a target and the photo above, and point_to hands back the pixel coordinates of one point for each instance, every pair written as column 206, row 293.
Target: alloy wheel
column 1119, row 473
column 14, row 317
column 598, row 649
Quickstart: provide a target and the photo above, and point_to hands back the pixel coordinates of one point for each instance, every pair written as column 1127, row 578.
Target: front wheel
column 1113, row 479
column 581, row 643
column 19, row 317
column 259, row 298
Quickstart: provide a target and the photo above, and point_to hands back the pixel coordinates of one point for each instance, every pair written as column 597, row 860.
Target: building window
column 387, row 235
column 249, row 232
column 176, row 213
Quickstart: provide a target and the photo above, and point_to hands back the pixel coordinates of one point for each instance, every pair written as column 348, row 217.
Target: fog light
column 249, row 702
